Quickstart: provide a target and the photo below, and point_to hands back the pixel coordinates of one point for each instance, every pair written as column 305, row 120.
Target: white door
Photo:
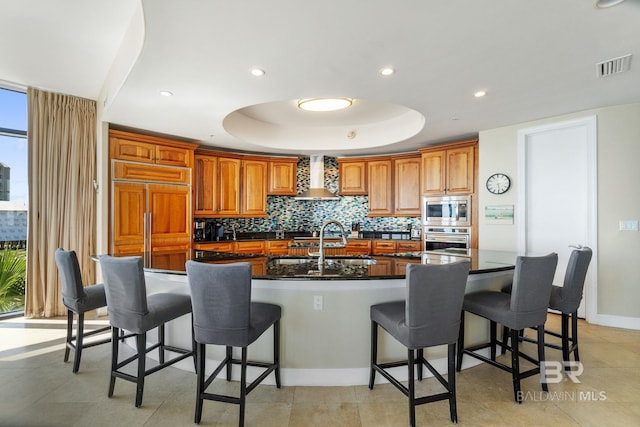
column 557, row 195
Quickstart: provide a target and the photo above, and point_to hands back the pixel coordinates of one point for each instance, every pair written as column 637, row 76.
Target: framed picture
column 498, row 214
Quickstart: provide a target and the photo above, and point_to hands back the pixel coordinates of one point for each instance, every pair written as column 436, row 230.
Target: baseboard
column 617, row 321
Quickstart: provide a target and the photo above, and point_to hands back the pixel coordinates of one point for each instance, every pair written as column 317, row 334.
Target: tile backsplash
column 286, row 213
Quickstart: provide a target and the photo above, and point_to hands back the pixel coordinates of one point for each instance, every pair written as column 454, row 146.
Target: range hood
column 316, row 190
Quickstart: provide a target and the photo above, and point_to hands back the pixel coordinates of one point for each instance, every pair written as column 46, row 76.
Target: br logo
column 553, row 371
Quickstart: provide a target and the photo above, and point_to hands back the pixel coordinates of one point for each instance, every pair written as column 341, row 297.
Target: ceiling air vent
column 614, row 66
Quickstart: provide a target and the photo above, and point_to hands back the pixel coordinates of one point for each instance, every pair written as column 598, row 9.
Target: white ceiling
column 534, row 58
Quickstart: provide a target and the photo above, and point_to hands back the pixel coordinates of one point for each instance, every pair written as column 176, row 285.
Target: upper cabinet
column 450, row 168
column 353, row 177
column 380, row 187
column 149, row 149
column 406, row 172
column 254, row 187
column 230, row 186
column 282, row 176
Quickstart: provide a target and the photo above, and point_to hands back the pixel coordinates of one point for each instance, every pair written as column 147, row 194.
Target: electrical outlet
column 317, row 302
column 628, row 225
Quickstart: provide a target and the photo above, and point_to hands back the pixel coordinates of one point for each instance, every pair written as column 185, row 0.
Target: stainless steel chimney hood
column 316, row 190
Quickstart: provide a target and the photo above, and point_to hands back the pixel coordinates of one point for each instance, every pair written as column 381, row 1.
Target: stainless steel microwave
column 446, row 211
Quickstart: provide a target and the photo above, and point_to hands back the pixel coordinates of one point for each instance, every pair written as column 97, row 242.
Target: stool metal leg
column 243, row 385
column 460, row 343
column 141, row 344
column 276, row 351
column 374, row 353
column 574, row 335
column 79, row 342
column 69, row 335
column 451, row 381
column 200, row 372
column 161, row 342
column 229, row 352
column 515, row 365
column 114, row 358
column 543, row 380
column 412, row 389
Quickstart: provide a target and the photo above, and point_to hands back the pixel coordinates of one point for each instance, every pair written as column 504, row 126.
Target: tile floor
column 38, row 390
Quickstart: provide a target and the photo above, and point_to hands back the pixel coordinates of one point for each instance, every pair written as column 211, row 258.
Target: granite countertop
column 350, row 267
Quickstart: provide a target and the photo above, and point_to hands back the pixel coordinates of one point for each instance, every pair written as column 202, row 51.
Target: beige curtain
column 62, row 200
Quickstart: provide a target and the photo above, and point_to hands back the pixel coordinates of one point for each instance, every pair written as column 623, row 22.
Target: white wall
column 618, row 199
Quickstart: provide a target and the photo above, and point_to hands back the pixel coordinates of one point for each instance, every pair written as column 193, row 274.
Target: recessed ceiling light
column 166, row 93
column 480, row 93
column 324, row 104
column 387, row 71
column 258, row 72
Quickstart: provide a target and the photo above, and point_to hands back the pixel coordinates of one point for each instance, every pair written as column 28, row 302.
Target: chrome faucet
column 233, row 229
column 320, row 253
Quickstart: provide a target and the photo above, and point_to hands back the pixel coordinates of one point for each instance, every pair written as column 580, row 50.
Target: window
column 13, row 199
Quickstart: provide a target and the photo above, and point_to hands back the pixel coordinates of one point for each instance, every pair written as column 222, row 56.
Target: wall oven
column 446, row 237
column 446, row 211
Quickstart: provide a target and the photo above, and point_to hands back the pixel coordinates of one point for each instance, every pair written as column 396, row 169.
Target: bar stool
column 130, row 309
column 566, row 300
column 525, row 307
column 223, row 314
column 429, row 316
column 78, row 299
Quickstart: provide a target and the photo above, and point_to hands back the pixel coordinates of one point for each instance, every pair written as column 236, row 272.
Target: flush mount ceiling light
column 166, row 93
column 324, row 104
column 387, row 71
column 603, row 4
column 480, row 93
column 258, row 72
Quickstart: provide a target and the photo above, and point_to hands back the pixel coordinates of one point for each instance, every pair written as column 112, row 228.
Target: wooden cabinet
column 353, row 177
column 449, row 169
column 227, row 186
column 407, row 186
column 408, row 245
column 392, row 183
column 400, row 266
column 249, row 247
column 380, row 189
column 149, row 149
column 358, row 247
column 254, row 188
column 383, row 247
column 278, row 247
column 215, row 246
column 282, row 176
column 382, row 267
column 395, row 246
column 205, row 188
column 150, row 217
column 151, row 203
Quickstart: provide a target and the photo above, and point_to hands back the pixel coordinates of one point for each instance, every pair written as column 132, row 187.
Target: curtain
column 62, row 200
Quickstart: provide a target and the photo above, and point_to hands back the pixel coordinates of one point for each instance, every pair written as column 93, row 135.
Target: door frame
column 589, row 123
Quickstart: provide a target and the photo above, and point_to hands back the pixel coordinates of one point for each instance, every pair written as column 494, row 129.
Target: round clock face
column 498, row 183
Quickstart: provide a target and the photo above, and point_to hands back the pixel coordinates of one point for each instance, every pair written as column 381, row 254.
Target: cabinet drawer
column 215, row 247
column 383, row 246
column 150, row 173
column 408, row 246
column 256, row 247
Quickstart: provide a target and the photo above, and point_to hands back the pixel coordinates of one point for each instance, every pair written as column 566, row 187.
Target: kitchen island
column 325, row 322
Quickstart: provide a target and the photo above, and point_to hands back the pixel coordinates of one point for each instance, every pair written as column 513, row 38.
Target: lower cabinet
column 278, row 247
column 358, row 247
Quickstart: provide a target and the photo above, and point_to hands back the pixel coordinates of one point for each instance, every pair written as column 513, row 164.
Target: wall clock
column 498, row 183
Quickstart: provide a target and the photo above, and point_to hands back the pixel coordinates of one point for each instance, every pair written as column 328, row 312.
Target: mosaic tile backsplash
column 286, row 213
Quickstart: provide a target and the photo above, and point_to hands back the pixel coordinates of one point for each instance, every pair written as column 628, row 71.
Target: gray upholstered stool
column 223, row 314
column 130, row 309
column 525, row 307
column 429, row 316
column 78, row 299
column 566, row 300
